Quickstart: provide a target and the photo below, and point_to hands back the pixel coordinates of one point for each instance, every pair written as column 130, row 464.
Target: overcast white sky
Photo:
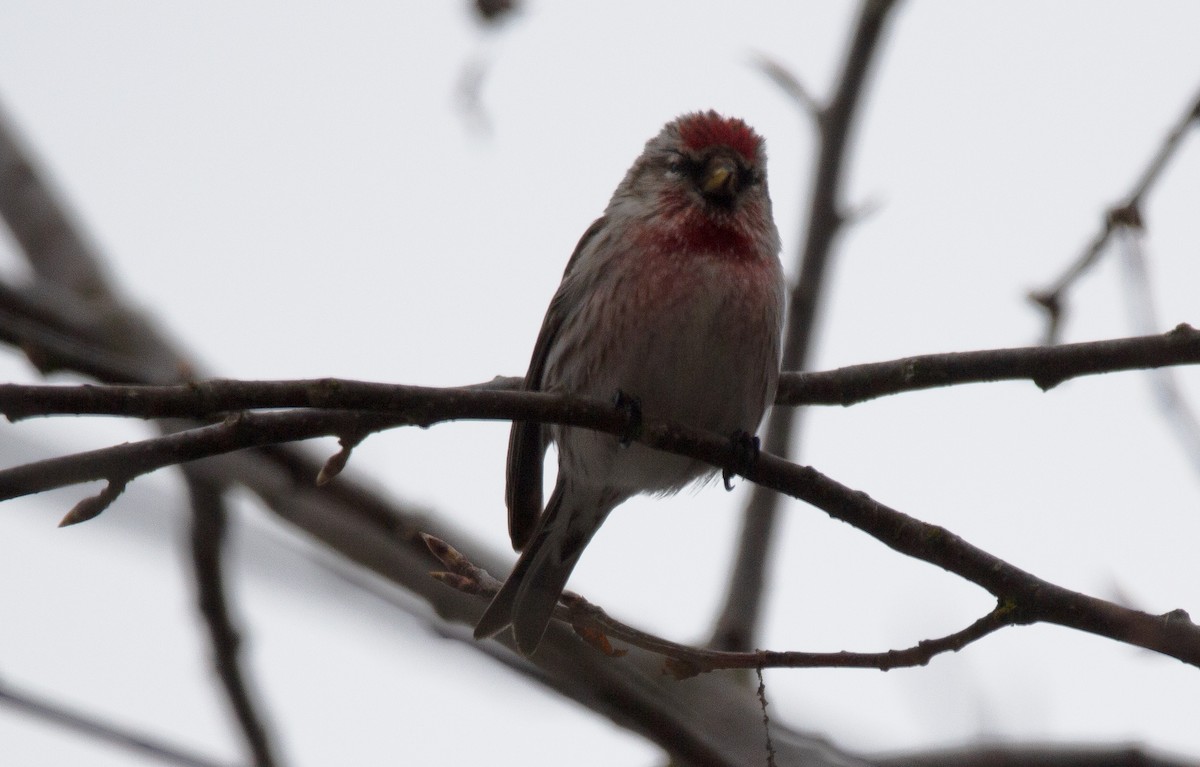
column 293, row 189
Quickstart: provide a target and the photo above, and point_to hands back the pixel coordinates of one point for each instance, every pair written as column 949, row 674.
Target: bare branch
column 1169, row 146
column 737, row 618
column 1125, row 214
column 1036, row 756
column 208, row 539
column 53, row 342
column 709, row 722
column 762, row 699
column 71, row 278
column 1178, row 414
column 790, row 84
column 703, row 722
column 42, row 226
column 684, row 661
column 357, row 403
column 1046, row 367
column 121, row 463
column 104, row 731
column 73, row 318
column 1035, row 600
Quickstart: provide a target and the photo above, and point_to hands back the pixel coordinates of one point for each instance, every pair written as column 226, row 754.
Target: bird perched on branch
column 673, row 304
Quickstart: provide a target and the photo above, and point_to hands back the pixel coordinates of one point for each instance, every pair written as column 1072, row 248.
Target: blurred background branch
column 736, row 627
column 1124, row 215
column 71, row 316
column 709, row 722
column 107, row 732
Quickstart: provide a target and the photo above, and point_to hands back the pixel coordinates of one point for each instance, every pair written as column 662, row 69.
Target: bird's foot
column 632, row 408
column 745, row 450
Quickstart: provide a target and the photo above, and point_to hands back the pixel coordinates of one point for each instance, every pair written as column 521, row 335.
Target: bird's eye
column 676, row 166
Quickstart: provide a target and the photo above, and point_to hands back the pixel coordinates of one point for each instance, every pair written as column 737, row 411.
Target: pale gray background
column 293, row 189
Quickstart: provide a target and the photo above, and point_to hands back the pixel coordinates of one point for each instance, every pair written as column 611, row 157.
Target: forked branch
column 1032, row 598
column 597, row 627
column 737, row 619
column 1125, row 214
column 1046, row 367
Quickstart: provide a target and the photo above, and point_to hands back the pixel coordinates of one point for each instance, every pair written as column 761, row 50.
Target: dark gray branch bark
column 103, row 731
column 1124, row 214
column 1037, row 756
column 1045, row 366
column 737, row 620
column 209, row 522
column 708, row 721
column 681, row 661
column 1030, row 599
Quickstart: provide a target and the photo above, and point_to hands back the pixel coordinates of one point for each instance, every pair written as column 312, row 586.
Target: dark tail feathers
column 528, row 598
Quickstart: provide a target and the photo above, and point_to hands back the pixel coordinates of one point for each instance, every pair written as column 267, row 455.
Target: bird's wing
column 527, row 442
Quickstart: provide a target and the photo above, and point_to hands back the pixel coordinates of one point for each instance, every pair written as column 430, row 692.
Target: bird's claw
column 632, row 408
column 745, row 450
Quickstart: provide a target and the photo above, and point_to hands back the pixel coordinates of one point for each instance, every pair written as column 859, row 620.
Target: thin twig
column 72, row 317
column 1055, row 755
column 51, row 346
column 1036, row 600
column 789, row 84
column 42, row 226
column 1127, row 213
column 762, row 699
column 1173, row 406
column 133, row 459
column 64, row 262
column 709, row 721
column 209, row 517
column 1045, row 366
column 684, row 661
column 104, row 731
column 737, row 619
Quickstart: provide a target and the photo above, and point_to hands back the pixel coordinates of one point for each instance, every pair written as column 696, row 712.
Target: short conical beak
column 720, row 177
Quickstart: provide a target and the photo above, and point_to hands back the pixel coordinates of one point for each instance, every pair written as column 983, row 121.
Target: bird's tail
column 528, row 598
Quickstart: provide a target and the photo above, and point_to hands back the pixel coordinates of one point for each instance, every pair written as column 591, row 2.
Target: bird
column 672, row 305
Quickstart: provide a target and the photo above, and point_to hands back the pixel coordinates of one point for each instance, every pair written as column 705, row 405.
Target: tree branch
column 104, row 731
column 707, row 723
column 1035, row 756
column 208, row 538
column 69, row 271
column 596, row 627
column 1124, row 214
column 1045, row 366
column 42, row 226
column 1031, row 598
column 737, row 619
column 72, row 317
column 1178, row 414
column 791, row 85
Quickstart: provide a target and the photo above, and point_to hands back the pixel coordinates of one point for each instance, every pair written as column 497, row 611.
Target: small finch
column 673, row 303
